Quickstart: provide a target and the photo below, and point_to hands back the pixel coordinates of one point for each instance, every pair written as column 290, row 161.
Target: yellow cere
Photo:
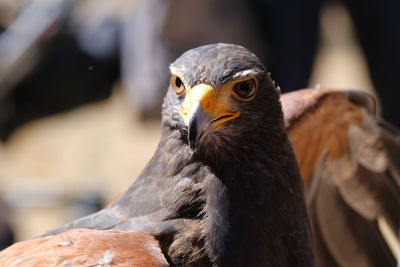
column 215, row 102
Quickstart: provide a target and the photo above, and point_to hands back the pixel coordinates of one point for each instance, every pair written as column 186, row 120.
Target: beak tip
column 192, row 131
column 191, row 148
column 198, row 120
column 192, row 142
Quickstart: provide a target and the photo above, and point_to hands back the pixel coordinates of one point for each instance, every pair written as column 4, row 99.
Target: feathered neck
column 252, row 210
column 261, row 204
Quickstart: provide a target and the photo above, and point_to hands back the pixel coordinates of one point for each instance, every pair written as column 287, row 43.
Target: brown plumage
column 223, row 187
column 84, row 247
column 350, row 161
column 348, row 190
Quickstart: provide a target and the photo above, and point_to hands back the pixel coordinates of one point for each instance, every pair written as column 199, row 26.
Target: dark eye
column 245, row 89
column 177, row 84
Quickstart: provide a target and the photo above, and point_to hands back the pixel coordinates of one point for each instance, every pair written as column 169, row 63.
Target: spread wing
column 350, row 162
column 83, row 247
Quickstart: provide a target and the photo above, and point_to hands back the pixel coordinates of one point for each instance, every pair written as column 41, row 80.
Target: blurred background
column 82, row 81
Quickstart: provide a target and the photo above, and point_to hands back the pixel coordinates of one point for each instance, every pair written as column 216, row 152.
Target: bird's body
column 346, row 201
column 223, row 187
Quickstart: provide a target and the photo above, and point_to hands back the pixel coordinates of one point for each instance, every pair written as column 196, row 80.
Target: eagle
column 223, row 187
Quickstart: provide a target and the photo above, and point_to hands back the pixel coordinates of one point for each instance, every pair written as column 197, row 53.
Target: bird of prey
column 349, row 160
column 222, row 189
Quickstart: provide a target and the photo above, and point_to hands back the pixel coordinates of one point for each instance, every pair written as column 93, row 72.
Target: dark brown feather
column 350, row 162
column 238, row 199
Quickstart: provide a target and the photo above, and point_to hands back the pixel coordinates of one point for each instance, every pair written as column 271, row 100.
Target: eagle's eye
column 177, row 84
column 245, row 90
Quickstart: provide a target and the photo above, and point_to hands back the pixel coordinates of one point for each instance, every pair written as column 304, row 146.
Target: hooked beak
column 198, row 121
column 206, row 108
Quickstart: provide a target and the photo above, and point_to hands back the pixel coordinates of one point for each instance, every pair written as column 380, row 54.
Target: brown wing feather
column 318, row 125
column 349, row 160
column 83, row 247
